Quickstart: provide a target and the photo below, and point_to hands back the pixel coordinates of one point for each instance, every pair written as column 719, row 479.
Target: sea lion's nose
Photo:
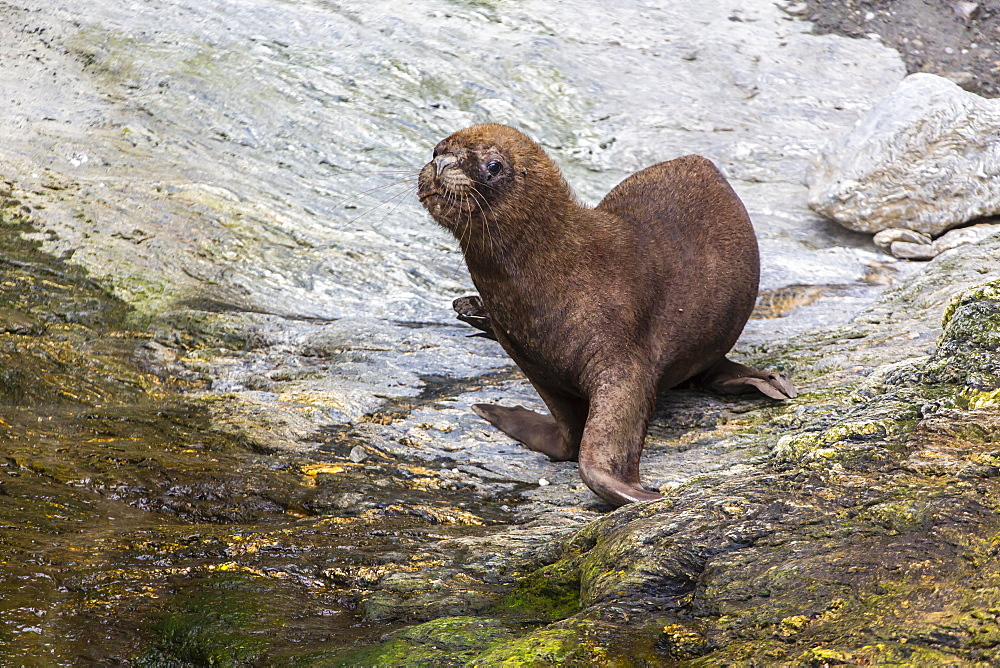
column 442, row 161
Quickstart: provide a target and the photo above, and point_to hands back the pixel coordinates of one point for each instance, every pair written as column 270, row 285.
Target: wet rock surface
column 232, row 403
column 136, row 526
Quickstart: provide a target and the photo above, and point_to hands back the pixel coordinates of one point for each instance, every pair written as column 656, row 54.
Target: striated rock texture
column 926, row 158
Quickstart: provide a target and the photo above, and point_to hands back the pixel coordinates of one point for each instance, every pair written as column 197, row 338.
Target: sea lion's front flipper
column 728, row 377
column 472, row 311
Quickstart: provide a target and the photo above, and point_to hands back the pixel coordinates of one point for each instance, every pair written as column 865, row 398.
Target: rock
column 965, row 235
column 878, row 476
column 905, row 250
column 968, row 353
column 885, row 238
column 966, row 10
column 966, row 80
column 256, row 285
column 13, row 321
column 926, row 158
column 910, row 245
column 440, row 642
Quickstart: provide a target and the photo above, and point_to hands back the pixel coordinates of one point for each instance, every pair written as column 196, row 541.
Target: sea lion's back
column 694, row 227
column 685, row 197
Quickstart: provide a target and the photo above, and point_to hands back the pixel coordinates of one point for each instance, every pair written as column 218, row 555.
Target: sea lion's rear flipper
column 728, row 377
column 472, row 311
column 535, row 431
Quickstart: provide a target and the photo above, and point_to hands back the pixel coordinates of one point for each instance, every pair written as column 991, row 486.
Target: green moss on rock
column 835, row 443
column 544, row 647
column 968, row 352
column 578, row 641
column 549, row 594
column 448, row 641
column 680, row 642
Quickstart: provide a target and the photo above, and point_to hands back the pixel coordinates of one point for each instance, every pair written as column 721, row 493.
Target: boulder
column 926, row 158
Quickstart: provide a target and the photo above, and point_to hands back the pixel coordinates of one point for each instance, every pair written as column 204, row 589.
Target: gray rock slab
column 908, row 250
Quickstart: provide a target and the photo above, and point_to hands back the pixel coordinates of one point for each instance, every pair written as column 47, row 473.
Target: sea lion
column 599, row 307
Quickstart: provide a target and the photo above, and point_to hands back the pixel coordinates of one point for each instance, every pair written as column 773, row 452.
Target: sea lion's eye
column 494, row 167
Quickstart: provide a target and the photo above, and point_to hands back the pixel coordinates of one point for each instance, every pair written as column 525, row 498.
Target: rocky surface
column 863, row 532
column 926, row 158
column 234, row 403
column 956, row 39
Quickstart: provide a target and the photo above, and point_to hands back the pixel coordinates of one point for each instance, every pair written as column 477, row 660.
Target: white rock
column 965, row 235
column 927, row 158
column 885, row 238
column 966, row 10
column 907, row 251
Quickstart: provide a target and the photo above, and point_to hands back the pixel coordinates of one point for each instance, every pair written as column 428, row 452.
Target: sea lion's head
column 488, row 173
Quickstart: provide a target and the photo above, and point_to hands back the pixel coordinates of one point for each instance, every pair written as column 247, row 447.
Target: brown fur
column 600, row 307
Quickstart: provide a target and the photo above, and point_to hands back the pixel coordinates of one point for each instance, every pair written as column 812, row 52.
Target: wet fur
column 599, row 307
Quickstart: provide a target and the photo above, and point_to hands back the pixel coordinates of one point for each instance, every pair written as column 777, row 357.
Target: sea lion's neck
column 524, row 241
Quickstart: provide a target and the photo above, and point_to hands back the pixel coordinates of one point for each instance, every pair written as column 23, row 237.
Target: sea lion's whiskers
column 486, row 185
column 371, row 190
column 455, row 204
column 496, row 218
column 468, row 222
column 380, row 204
column 486, row 221
column 466, row 229
column 403, row 194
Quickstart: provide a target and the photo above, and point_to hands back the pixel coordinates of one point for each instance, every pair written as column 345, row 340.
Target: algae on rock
column 968, row 353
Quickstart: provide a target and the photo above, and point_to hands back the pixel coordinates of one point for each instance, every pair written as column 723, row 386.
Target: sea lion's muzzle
column 449, row 175
column 446, row 191
column 442, row 161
